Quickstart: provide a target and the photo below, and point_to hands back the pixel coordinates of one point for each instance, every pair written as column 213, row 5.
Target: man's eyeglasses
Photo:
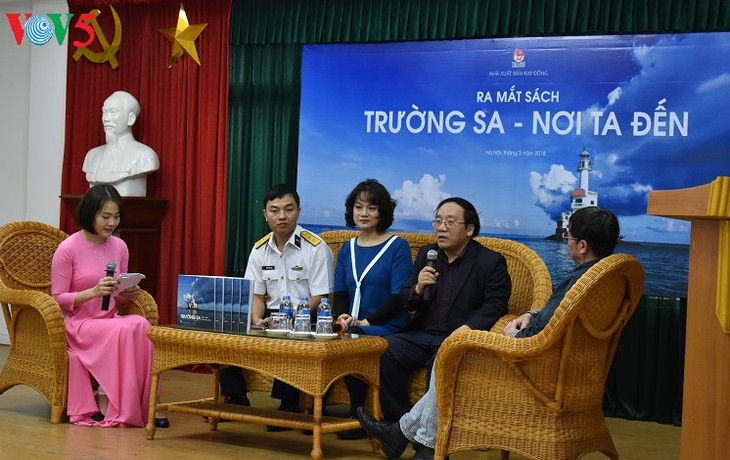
column 566, row 237
column 450, row 223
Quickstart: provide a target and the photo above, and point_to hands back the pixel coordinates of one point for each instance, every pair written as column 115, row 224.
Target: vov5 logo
column 41, row 28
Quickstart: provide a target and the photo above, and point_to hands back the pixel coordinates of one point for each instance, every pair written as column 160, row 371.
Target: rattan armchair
column 37, row 356
column 539, row 396
column 531, row 284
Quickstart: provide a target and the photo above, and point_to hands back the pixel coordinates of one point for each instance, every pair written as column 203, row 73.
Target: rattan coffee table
column 307, row 364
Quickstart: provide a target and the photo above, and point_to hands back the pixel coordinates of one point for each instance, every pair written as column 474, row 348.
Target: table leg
column 216, row 390
column 150, row 428
column 216, row 384
column 317, row 429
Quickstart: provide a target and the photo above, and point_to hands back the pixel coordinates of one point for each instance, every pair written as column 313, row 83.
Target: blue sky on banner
column 505, row 122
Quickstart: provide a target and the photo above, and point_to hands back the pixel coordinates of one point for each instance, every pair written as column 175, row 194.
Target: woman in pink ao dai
column 113, row 349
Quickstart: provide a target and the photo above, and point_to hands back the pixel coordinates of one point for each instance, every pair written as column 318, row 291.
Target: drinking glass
column 324, row 326
column 279, row 321
column 302, row 324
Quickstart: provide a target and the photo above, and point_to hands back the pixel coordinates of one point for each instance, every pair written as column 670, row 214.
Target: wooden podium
column 706, row 399
column 141, row 231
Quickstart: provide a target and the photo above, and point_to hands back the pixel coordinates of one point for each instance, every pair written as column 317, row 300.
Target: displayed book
column 214, row 303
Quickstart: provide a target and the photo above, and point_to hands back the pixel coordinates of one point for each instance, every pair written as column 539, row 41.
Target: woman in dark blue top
column 371, row 269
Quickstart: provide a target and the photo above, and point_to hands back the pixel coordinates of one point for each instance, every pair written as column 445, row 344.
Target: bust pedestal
column 141, row 231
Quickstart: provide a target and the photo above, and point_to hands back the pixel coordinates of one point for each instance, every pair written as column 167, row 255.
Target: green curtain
column 263, row 139
column 266, row 50
column 647, row 374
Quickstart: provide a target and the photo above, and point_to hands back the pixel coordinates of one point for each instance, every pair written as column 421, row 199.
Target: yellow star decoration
column 183, row 37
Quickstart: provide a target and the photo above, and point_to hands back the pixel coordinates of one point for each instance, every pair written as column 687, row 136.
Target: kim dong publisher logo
column 39, row 29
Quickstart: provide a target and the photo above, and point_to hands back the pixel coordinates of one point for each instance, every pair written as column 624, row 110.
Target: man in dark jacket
column 466, row 287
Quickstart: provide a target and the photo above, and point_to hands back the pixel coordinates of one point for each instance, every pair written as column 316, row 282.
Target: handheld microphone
column 431, row 257
column 110, row 268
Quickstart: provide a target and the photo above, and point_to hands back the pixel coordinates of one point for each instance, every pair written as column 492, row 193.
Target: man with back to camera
column 287, row 261
column 469, row 288
column 592, row 235
column 122, row 162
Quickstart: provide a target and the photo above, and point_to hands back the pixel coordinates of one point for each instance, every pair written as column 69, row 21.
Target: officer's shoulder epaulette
column 262, row 241
column 311, row 238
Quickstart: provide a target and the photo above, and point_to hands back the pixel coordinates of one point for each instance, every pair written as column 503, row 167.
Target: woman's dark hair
column 598, row 227
column 373, row 192
column 471, row 217
column 93, row 202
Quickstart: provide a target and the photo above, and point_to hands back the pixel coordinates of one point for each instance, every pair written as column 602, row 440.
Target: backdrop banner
column 526, row 128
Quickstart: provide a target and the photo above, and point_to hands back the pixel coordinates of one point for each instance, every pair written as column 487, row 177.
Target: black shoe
column 347, row 435
column 238, row 400
column 98, row 417
column 423, row 453
column 162, row 422
column 392, row 440
column 283, row 408
column 274, row 429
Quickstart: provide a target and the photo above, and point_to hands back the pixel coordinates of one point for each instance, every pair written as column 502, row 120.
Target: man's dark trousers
column 407, row 351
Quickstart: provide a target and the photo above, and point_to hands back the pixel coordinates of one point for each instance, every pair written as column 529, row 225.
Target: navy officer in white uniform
column 289, row 260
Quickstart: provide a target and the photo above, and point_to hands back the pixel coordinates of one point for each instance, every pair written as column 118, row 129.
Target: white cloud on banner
column 419, row 200
column 668, row 226
column 549, row 189
column 513, row 224
column 714, row 83
column 614, row 95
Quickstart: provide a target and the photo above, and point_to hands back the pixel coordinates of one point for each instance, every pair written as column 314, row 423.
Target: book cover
column 214, row 303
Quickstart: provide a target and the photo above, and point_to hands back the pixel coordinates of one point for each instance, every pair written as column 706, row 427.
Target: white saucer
column 324, row 336
column 277, row 332
column 301, row 334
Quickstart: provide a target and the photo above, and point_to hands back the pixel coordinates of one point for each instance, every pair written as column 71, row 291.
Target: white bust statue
column 122, row 161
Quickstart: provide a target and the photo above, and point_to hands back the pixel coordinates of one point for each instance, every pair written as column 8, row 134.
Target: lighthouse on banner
column 580, row 197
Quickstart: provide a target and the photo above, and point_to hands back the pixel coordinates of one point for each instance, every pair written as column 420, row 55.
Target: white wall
column 32, row 117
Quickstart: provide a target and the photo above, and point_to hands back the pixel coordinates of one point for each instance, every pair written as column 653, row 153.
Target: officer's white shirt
column 304, row 267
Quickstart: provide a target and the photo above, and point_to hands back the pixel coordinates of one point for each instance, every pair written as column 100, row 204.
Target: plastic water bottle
column 302, row 320
column 303, row 307
column 287, row 308
column 324, row 317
